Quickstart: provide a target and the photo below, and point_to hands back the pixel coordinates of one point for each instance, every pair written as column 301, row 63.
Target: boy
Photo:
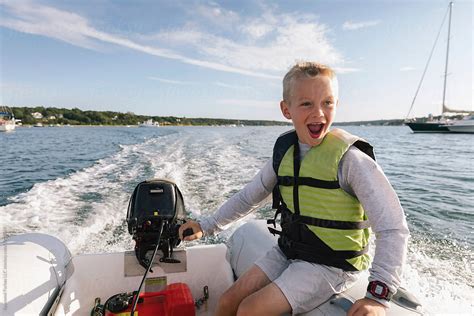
column 329, row 190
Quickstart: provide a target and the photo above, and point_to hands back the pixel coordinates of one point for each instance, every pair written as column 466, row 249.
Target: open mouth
column 315, row 129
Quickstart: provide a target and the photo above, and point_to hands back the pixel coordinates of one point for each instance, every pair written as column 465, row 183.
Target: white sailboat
column 436, row 125
column 7, row 120
column 466, row 125
column 149, row 123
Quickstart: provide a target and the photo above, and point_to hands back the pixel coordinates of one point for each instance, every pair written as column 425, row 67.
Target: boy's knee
column 247, row 308
column 228, row 301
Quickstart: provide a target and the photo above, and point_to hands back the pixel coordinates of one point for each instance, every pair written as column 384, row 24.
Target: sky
column 226, row 59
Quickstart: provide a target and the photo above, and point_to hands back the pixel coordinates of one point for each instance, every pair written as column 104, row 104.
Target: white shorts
column 305, row 285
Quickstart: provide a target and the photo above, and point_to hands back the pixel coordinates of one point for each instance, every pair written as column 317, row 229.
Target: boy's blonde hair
column 307, row 69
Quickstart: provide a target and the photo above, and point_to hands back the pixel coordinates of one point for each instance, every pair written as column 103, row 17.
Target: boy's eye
column 328, row 103
column 306, row 103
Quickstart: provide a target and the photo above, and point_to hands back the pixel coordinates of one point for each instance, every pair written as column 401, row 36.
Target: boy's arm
column 243, row 202
column 362, row 177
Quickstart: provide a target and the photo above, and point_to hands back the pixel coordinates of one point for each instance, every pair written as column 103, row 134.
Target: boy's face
column 311, row 107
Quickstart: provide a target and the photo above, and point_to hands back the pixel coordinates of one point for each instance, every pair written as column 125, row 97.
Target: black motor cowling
column 155, row 203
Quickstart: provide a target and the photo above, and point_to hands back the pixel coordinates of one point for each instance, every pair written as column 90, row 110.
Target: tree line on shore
column 75, row 116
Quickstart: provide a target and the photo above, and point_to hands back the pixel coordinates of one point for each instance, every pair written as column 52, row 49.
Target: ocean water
column 75, row 182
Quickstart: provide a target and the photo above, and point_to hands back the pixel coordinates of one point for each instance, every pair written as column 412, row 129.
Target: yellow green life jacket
column 320, row 222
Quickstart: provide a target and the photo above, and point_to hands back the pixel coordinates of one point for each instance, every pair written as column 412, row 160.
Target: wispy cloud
column 351, row 26
column 407, row 68
column 215, row 14
column 345, row 70
column 232, row 86
column 256, row 29
column 72, row 28
column 170, row 81
column 292, row 38
column 263, row 46
column 47, row 21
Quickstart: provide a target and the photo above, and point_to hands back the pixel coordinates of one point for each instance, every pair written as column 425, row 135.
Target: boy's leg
column 251, row 281
column 268, row 301
column 307, row 285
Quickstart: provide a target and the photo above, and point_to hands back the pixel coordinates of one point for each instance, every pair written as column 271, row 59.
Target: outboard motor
column 155, row 213
column 156, row 208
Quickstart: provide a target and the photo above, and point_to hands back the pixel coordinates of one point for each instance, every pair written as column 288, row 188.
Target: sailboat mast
column 444, row 108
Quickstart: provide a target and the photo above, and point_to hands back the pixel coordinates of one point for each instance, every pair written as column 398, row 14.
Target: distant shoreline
column 50, row 116
column 76, row 117
column 366, row 124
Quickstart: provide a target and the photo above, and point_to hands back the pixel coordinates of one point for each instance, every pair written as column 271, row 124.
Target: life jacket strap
column 314, row 250
column 327, row 223
column 296, row 174
column 313, row 221
column 273, row 231
column 280, row 208
column 311, row 182
column 276, row 198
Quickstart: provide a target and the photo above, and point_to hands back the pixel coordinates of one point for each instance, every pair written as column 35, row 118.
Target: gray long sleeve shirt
column 359, row 176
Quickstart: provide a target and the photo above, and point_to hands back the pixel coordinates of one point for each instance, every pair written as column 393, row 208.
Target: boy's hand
column 366, row 307
column 197, row 231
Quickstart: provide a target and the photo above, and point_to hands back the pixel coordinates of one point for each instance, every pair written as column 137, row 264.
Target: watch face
column 378, row 290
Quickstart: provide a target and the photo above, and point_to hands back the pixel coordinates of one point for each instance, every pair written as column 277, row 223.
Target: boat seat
column 35, row 267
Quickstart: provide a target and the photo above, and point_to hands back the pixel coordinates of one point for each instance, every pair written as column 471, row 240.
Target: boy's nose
column 317, row 111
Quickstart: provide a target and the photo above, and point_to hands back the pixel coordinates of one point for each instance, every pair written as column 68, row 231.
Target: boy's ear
column 284, row 109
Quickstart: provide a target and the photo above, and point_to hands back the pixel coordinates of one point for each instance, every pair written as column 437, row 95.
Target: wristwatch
column 379, row 290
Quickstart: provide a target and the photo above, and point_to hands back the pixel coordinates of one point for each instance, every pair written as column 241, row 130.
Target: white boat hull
column 42, row 278
column 468, row 129
column 7, row 127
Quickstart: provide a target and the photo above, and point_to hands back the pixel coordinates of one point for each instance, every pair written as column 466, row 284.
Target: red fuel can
column 175, row 300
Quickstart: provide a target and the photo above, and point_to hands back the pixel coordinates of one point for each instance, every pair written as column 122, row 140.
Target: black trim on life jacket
column 366, row 148
column 339, row 254
column 329, row 223
column 282, row 144
column 296, row 172
column 324, row 223
column 311, row 182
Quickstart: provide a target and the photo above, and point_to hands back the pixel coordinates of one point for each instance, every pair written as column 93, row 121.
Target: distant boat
column 7, row 120
column 440, row 125
column 436, row 126
column 149, row 123
column 466, row 125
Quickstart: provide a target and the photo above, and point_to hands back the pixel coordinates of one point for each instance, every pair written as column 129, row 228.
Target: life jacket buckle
column 274, row 231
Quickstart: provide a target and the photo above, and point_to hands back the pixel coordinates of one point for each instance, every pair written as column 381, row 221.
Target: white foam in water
column 57, row 206
column 87, row 209
column 436, row 284
column 61, row 207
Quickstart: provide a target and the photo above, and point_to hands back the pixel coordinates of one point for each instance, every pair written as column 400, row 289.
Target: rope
column 426, row 67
